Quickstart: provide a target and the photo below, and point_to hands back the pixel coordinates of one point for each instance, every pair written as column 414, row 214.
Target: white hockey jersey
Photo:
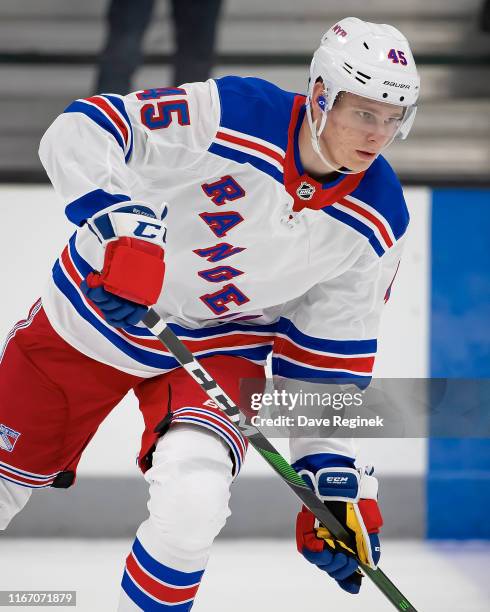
column 259, row 256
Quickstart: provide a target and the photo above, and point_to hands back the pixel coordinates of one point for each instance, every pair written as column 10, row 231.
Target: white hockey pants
column 13, row 497
column 189, row 492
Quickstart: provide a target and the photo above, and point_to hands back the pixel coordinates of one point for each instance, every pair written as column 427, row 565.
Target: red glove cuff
column 133, row 269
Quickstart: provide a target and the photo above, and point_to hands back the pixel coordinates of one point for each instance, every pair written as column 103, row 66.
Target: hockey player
column 283, row 231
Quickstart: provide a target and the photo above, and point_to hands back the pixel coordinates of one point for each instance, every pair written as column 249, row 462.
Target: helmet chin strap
column 315, row 142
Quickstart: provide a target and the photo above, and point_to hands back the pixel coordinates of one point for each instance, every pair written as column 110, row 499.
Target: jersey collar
column 305, row 190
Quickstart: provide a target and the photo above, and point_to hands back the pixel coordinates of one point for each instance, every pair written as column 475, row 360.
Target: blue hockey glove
column 116, row 310
column 351, row 495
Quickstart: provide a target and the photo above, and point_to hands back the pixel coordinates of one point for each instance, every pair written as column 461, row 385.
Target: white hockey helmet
column 367, row 59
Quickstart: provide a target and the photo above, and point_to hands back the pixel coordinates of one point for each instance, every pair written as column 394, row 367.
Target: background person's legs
column 195, row 26
column 127, row 21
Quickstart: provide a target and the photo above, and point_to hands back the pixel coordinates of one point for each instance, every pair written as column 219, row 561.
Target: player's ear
column 318, row 99
column 321, row 102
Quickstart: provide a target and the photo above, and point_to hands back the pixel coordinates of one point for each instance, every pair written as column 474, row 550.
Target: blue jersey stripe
column 259, row 353
column 360, row 227
column 88, row 205
column 381, row 189
column 23, row 484
column 340, row 347
column 98, row 117
column 244, row 158
column 208, row 332
column 82, row 266
column 226, row 423
column 256, row 107
column 29, row 475
column 281, row 367
column 119, row 104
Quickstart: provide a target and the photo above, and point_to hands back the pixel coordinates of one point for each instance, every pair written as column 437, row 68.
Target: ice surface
column 258, row 576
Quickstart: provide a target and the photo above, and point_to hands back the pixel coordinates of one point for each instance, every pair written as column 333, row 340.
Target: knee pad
column 13, row 497
column 189, row 489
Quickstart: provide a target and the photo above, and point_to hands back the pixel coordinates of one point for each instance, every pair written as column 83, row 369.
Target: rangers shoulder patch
column 8, row 438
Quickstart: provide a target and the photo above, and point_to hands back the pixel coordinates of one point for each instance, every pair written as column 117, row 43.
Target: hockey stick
column 159, row 328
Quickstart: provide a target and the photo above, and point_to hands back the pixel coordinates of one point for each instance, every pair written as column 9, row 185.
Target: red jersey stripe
column 231, row 340
column 207, row 415
column 356, row 364
column 24, row 480
column 251, row 145
column 113, row 115
column 367, row 215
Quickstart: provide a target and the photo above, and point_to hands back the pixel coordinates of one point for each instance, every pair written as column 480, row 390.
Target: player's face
column 358, row 129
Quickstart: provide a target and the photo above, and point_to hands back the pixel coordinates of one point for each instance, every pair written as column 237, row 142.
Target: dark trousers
column 194, row 34
column 485, row 16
